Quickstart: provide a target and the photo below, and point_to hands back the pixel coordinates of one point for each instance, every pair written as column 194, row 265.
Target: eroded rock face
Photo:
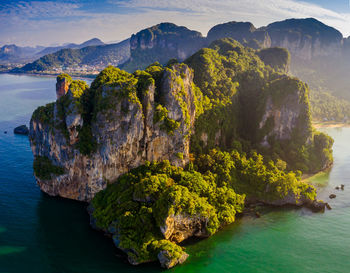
column 62, row 87
column 167, row 261
column 181, row 227
column 281, row 116
column 126, row 134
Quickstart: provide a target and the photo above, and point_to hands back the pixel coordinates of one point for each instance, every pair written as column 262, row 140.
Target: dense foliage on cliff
column 44, row 169
column 140, row 201
column 246, row 123
column 138, row 204
column 238, row 100
column 266, row 182
column 277, row 58
column 326, row 107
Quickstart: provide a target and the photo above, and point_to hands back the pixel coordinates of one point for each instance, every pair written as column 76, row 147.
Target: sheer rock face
column 287, row 117
column 126, row 137
column 306, row 38
column 167, row 36
column 181, row 227
column 62, row 87
column 160, row 43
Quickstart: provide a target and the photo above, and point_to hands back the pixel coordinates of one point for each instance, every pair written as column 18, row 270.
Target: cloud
column 36, row 22
column 259, row 12
column 38, row 10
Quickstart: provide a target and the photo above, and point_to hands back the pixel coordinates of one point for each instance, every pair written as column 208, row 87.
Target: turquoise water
column 40, row 234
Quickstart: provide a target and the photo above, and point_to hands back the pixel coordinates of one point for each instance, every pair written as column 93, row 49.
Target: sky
column 30, row 23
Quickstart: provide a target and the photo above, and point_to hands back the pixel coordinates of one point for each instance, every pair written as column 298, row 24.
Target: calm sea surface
column 40, row 234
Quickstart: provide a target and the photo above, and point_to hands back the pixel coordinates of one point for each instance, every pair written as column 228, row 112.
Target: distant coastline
column 331, row 124
column 75, row 75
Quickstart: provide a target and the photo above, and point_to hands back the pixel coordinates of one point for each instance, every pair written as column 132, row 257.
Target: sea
column 43, row 234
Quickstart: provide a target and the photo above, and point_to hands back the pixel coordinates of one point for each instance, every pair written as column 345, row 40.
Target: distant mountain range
column 95, row 56
column 17, row 54
column 320, row 54
column 49, row 50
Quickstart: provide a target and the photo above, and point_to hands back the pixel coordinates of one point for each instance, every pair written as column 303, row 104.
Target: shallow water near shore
column 41, row 234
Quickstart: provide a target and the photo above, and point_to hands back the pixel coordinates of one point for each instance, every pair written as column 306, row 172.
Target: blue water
column 41, row 234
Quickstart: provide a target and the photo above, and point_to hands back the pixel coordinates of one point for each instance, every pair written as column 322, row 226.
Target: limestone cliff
column 243, row 32
column 161, row 43
column 126, row 129
column 306, row 38
column 268, row 109
column 124, row 144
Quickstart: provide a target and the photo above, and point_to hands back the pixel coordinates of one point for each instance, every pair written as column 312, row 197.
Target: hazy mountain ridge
column 97, row 57
column 49, row 50
column 17, row 54
column 13, row 53
column 304, row 38
column 320, row 55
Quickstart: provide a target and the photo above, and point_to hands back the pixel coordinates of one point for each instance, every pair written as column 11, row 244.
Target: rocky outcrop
column 306, row 38
column 167, row 261
column 126, row 134
column 241, row 32
column 283, row 111
column 181, row 227
column 62, row 86
column 161, row 43
column 21, row 130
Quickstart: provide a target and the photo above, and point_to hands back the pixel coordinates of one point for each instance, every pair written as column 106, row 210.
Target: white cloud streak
column 31, row 23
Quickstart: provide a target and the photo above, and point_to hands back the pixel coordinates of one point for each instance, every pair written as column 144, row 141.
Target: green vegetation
column 266, row 182
column 163, row 42
column 277, row 58
column 236, row 103
column 77, row 88
column 44, row 114
column 64, row 76
column 139, row 202
column 238, row 150
column 44, row 169
column 167, row 124
column 326, row 107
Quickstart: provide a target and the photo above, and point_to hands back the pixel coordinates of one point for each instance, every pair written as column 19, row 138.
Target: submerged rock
column 21, row 130
column 328, row 206
column 317, row 206
column 332, row 196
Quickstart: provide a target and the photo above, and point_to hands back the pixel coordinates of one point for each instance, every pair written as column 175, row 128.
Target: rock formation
column 306, row 38
column 127, row 134
column 159, row 153
column 21, row 130
column 240, row 31
column 62, row 85
column 161, row 43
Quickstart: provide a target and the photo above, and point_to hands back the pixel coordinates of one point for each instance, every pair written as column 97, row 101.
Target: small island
column 176, row 151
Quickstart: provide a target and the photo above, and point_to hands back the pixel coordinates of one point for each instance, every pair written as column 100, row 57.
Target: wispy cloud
column 37, row 22
column 38, row 10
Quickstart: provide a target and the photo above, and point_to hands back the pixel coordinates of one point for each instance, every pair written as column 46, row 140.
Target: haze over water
column 42, row 234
